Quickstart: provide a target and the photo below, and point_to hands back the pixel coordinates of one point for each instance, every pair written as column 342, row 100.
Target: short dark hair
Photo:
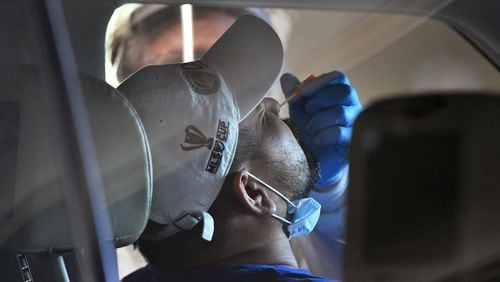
column 248, row 150
column 161, row 251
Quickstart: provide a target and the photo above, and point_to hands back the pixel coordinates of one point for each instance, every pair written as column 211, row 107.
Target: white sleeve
column 322, row 250
column 332, row 198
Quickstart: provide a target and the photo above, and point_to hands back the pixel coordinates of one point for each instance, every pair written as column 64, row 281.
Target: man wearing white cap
column 229, row 176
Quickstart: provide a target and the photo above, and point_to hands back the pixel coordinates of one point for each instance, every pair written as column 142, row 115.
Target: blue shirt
column 239, row 273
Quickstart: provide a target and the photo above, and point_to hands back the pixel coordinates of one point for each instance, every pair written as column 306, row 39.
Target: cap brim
column 249, row 57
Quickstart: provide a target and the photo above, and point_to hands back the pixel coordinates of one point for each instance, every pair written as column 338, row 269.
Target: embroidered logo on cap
column 195, row 139
column 219, row 146
column 201, row 81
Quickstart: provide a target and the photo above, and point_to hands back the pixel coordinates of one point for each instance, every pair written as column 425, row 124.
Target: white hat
column 191, row 114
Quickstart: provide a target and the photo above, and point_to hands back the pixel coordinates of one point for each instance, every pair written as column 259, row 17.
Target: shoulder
column 293, row 274
column 276, row 273
column 240, row 273
column 149, row 273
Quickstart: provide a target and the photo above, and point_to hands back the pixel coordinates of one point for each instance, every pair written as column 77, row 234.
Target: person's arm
column 324, row 114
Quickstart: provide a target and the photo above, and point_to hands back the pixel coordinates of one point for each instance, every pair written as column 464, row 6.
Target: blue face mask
column 304, row 213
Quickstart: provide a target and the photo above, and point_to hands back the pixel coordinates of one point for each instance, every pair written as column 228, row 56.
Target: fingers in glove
column 333, row 135
column 309, row 88
column 334, row 116
column 288, row 83
column 337, row 94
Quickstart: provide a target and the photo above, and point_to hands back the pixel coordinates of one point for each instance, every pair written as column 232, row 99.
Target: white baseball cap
column 191, row 113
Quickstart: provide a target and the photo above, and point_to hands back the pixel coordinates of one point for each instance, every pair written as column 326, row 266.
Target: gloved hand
column 324, row 115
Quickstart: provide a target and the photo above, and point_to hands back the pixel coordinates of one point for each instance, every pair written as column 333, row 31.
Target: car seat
column 35, row 214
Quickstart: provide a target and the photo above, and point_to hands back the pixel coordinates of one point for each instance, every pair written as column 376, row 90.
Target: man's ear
column 252, row 195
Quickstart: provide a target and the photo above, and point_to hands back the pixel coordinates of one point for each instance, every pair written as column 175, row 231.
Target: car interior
column 424, row 188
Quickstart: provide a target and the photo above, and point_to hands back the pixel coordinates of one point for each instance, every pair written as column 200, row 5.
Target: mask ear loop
column 291, row 207
column 282, row 219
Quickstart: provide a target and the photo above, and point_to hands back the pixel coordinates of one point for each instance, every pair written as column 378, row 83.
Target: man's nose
column 271, row 105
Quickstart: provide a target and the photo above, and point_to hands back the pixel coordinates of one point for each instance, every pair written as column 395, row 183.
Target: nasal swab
column 296, row 90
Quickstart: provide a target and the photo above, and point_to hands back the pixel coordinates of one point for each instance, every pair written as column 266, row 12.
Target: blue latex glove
column 324, row 115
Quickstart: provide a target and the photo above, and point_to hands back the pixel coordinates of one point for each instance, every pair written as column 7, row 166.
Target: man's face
column 166, row 47
column 268, row 141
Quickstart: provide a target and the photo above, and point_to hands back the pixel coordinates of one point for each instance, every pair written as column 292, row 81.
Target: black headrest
column 424, row 190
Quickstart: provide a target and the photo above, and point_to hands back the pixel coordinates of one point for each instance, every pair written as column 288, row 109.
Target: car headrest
column 424, row 189
column 33, row 210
